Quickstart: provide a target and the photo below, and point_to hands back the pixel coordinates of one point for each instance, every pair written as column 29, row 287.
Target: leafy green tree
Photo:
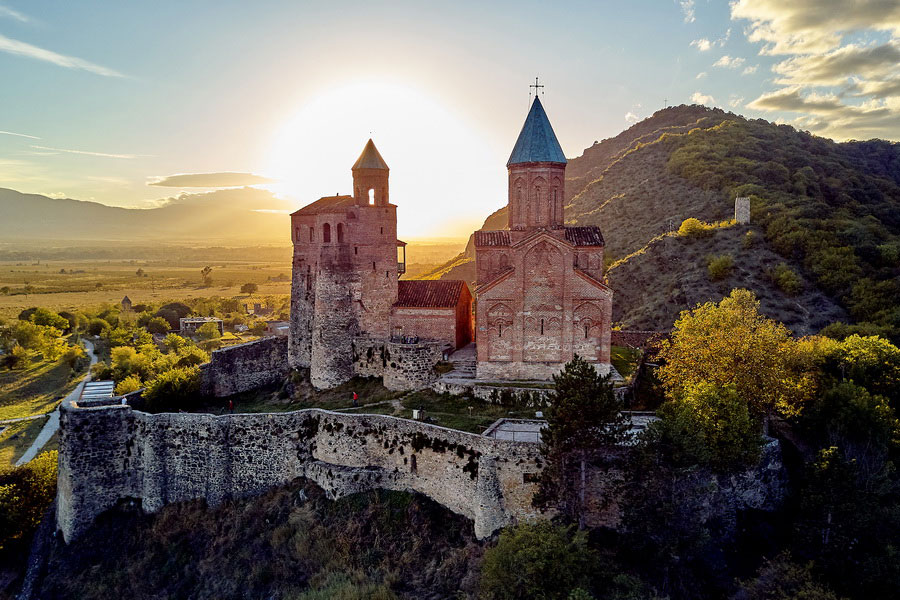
column 206, row 274
column 787, row 280
column 157, row 325
column 783, row 579
column 730, row 343
column 48, row 318
column 191, row 356
column 209, row 331
column 129, row 384
column 249, row 288
column 710, row 426
column 174, row 389
column 174, row 342
column 25, row 494
column 542, row 561
column 583, row 417
column 96, row 326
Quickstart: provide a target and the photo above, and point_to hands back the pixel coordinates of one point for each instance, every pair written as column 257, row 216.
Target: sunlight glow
column 444, row 178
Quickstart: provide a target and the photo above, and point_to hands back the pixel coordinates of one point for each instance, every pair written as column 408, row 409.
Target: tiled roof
column 370, row 158
column 491, row 238
column 420, row 293
column 584, row 236
column 537, row 142
column 326, row 205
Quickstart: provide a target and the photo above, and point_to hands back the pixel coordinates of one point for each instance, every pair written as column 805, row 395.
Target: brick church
column 541, row 295
column 540, row 291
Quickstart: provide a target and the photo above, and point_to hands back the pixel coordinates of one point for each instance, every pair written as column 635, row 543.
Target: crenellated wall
column 112, row 453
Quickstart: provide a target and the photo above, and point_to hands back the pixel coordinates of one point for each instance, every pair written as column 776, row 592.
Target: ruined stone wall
column 113, row 453
column 411, row 366
column 245, row 367
column 369, row 357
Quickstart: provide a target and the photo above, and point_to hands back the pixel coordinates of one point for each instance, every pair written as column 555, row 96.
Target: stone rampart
column 113, row 453
column 245, row 367
column 402, row 366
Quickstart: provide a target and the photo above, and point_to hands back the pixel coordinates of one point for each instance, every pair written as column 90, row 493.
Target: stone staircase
column 464, row 363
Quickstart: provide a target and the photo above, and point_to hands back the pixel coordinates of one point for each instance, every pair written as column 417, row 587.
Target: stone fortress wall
column 113, row 453
column 245, row 367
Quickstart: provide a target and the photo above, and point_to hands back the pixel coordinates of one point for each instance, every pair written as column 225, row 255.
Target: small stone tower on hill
column 345, row 273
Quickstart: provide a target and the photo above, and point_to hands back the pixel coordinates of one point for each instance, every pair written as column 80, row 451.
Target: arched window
column 326, row 233
column 340, row 229
column 372, row 196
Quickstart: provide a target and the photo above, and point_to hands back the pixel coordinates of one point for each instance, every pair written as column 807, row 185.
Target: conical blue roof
column 537, row 142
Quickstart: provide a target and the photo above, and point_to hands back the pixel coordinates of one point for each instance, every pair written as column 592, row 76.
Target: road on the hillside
column 52, row 423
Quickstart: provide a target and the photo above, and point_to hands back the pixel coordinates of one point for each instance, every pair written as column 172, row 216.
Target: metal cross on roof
column 536, row 86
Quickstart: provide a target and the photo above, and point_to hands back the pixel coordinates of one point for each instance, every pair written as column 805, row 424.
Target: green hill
column 830, row 212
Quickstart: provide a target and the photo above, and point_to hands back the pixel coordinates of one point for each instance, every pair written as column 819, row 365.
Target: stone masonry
column 742, row 210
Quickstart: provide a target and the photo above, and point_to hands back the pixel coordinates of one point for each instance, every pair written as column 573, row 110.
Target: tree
column 710, row 426
column 48, row 318
column 209, row 331
column 175, row 389
column 96, row 326
column 583, row 417
column 782, row 579
column 132, row 383
column 4, row 290
column 249, row 288
column 139, row 272
column 15, row 358
column 25, row 494
column 157, row 325
column 206, row 273
column 730, row 343
column 539, row 560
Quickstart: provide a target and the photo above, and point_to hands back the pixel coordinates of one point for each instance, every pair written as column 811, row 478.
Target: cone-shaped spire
column 370, row 158
column 537, row 142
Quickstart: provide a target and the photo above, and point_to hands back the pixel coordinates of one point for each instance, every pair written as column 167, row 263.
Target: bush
column 781, row 579
column 48, row 318
column 132, row 383
column 693, row 228
column 16, row 358
column 209, row 331
column 172, row 390
column 74, row 356
column 749, row 239
column 540, row 560
column 157, row 325
column 719, row 267
column 96, row 326
column 786, row 280
column 25, row 494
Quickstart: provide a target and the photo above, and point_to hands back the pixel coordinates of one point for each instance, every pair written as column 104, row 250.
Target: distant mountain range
column 829, row 211
column 228, row 216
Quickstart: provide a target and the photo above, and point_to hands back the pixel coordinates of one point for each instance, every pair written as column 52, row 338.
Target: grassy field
column 15, row 439
column 34, row 390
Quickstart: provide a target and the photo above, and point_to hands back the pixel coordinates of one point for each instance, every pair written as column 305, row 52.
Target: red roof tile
column 492, row 238
column 326, row 205
column 584, row 236
column 421, row 293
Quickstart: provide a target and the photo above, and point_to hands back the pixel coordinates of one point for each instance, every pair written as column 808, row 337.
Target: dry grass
column 16, row 438
column 34, row 390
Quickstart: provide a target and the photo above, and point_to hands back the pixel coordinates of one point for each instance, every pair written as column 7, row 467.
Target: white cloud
column 702, row 44
column 728, row 62
column 750, row 70
column 807, row 26
column 700, row 98
column 70, row 62
column 701, row 75
column 24, row 135
column 87, row 153
column 836, row 67
column 734, row 101
column 56, row 195
column 630, row 117
column 5, row 11
column 212, row 180
column 687, row 8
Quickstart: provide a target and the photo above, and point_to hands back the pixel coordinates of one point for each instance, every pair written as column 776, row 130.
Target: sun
column 428, row 147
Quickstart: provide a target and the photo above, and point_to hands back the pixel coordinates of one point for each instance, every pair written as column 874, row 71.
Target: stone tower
column 345, row 273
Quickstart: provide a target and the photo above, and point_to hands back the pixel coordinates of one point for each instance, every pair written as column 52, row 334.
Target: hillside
column 229, row 216
column 829, row 211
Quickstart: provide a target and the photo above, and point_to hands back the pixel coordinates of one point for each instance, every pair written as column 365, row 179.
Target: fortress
column 540, row 290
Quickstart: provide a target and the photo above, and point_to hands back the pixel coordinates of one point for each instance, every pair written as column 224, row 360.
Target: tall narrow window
column 373, row 265
column 499, row 330
column 340, row 229
column 311, row 233
column 372, row 197
column 542, row 327
column 355, row 250
column 326, row 233
column 297, row 233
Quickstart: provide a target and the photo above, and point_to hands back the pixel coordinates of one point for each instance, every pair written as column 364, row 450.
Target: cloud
column 702, row 44
column 836, row 67
column 727, row 62
column 734, row 100
column 886, row 88
column 70, row 62
column 213, row 180
column 5, row 11
column 24, row 135
column 809, row 26
column 86, row 153
column 701, row 75
column 687, row 8
column 630, row 117
column 700, row 98
column 750, row 70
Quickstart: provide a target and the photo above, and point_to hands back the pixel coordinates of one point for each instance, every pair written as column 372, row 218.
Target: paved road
column 52, row 424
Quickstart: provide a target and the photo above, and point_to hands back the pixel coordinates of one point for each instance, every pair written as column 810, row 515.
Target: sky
column 131, row 103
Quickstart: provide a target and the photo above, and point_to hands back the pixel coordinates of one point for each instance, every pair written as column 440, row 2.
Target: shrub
column 749, row 239
column 132, row 383
column 74, row 356
column 209, row 331
column 173, row 389
column 719, row 267
column 25, row 494
column 157, row 325
column 781, row 579
column 16, row 358
column 787, row 280
column 96, row 326
column 693, row 228
column 539, row 560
